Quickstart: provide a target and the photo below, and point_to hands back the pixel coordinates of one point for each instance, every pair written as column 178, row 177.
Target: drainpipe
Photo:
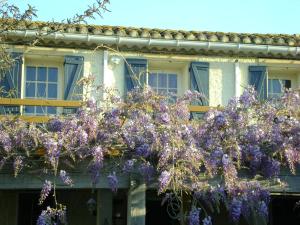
column 105, row 72
column 237, row 73
column 130, row 41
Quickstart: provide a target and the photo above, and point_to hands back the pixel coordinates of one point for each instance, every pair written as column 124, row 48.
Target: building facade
column 219, row 65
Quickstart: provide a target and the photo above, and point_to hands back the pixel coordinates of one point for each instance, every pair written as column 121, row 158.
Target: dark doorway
column 156, row 213
column 75, row 201
column 285, row 210
column 29, row 209
column 119, row 211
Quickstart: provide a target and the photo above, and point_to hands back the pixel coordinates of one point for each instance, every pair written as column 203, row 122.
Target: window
column 276, row 87
column 29, row 209
column 119, row 207
column 41, row 82
column 164, row 83
column 159, row 214
column 284, row 209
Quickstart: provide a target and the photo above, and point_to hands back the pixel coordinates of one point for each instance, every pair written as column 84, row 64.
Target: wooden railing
column 58, row 103
column 36, row 102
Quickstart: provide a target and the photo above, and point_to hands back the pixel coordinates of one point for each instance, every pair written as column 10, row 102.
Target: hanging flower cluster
column 214, row 161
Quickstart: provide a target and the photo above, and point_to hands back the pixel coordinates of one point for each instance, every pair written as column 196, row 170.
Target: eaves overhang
column 88, row 40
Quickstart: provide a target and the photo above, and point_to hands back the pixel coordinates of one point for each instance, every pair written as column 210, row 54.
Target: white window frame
column 280, row 78
column 165, row 73
column 44, row 63
column 172, row 66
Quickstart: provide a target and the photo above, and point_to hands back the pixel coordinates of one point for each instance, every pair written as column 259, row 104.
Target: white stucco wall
column 42, row 56
column 222, row 70
column 276, row 69
column 114, row 75
column 228, row 75
column 222, row 82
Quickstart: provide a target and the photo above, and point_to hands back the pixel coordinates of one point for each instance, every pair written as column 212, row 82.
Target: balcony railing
column 36, row 102
column 58, row 103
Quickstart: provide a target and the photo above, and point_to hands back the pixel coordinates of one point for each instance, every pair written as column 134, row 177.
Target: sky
column 250, row 16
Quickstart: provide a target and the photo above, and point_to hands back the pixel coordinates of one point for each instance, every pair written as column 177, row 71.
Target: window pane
column 162, row 80
column 51, row 110
column 172, row 81
column 138, row 70
column 172, row 91
column 40, row 110
column 29, row 109
column 42, row 74
column 30, row 90
column 162, row 91
column 277, row 88
column 41, row 90
column 152, row 80
column 52, row 74
column 52, row 90
column 30, row 73
column 172, row 99
column 269, row 85
column 287, row 83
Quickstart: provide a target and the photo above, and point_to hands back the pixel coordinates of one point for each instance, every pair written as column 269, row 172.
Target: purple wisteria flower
column 66, row 179
column 91, row 103
column 53, row 150
column 113, row 182
column 2, row 163
column 163, row 107
column 97, row 153
column 225, row 160
column 194, row 216
column 143, row 150
column 82, row 136
column 207, row 221
column 163, row 118
column 128, row 166
column 52, row 216
column 263, row 209
column 270, row 167
column 94, row 170
column 96, row 164
column 220, row 120
column 248, row 97
column 147, row 171
column 5, row 141
column 235, row 209
column 151, row 136
column 55, row 125
column 18, row 165
column 164, row 180
column 47, row 187
column 44, row 219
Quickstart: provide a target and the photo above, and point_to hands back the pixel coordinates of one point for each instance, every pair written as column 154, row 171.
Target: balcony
column 36, row 102
column 58, row 103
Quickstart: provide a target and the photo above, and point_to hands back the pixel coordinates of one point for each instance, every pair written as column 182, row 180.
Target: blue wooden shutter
column 73, row 72
column 258, row 79
column 10, row 83
column 135, row 73
column 199, row 80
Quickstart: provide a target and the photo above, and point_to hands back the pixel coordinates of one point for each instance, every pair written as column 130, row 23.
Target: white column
column 297, row 85
column 104, row 207
column 136, row 213
column 237, row 72
column 105, row 71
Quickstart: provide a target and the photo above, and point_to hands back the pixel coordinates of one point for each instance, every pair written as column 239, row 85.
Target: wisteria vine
column 213, row 161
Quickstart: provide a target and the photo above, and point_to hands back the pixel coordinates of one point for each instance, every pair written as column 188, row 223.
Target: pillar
column 136, row 214
column 104, row 207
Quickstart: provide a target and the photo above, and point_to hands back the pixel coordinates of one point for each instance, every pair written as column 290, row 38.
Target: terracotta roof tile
column 259, row 39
